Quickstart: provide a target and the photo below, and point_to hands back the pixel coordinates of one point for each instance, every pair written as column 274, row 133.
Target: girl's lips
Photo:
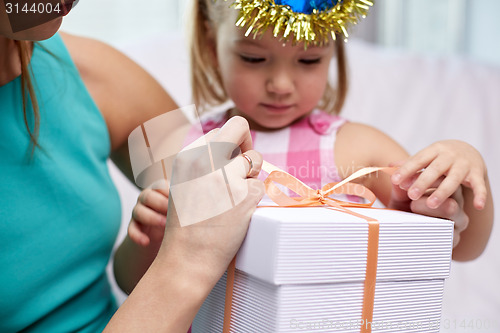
column 277, row 107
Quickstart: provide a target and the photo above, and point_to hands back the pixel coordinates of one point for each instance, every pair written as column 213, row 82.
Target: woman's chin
column 41, row 32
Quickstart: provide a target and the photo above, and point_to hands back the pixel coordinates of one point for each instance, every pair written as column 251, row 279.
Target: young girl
column 281, row 87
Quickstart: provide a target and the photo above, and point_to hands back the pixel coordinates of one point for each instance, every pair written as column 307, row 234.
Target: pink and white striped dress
column 304, row 149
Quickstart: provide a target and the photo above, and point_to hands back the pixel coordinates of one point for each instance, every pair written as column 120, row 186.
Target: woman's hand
column 195, row 253
column 212, row 198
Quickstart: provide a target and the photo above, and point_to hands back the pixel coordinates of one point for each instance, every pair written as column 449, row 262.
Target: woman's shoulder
column 100, row 63
column 124, row 92
column 89, row 55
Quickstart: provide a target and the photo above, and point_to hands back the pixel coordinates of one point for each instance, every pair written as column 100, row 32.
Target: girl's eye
column 310, row 61
column 251, row 60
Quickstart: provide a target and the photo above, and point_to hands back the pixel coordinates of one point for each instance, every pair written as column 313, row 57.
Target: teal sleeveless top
column 59, row 210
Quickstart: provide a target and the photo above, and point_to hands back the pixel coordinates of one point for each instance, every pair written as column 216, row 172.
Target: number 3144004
column 470, row 324
column 34, row 8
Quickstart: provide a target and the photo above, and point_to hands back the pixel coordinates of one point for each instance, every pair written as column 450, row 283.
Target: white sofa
column 415, row 99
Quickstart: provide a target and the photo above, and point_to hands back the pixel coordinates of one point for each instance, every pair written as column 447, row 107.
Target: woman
column 60, row 210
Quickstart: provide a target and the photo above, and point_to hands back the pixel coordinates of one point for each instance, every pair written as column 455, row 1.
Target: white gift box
column 303, row 270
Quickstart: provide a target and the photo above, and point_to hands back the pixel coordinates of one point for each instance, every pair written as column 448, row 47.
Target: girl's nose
column 280, row 82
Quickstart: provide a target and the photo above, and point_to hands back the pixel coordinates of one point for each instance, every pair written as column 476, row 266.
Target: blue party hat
column 308, row 21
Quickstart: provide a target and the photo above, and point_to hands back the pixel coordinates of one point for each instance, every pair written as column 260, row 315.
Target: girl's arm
column 474, row 238
column 358, row 146
column 144, row 236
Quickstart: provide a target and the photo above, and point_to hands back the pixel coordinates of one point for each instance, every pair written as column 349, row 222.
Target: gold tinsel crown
column 308, row 21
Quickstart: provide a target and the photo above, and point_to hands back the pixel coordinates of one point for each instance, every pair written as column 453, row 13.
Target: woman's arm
column 193, row 257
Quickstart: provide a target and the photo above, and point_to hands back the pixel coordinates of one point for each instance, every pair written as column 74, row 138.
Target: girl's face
column 271, row 83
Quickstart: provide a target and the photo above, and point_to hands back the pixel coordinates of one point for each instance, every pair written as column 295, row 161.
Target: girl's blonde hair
column 206, row 81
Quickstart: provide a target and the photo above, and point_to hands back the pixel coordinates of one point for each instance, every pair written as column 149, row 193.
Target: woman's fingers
column 209, row 179
column 202, row 140
column 246, row 165
column 235, row 131
column 256, row 191
column 206, row 216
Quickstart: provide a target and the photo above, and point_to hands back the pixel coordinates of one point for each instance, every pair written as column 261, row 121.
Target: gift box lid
column 322, row 245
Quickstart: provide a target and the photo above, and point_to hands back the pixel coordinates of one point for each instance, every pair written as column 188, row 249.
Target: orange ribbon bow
column 313, row 198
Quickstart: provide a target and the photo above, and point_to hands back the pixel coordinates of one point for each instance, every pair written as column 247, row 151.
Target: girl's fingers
column 147, row 216
column 137, row 235
column 450, row 209
column 445, row 186
column 412, row 166
column 143, row 221
column 478, row 185
column 427, row 177
column 156, row 200
column 443, row 192
column 408, row 182
column 459, row 197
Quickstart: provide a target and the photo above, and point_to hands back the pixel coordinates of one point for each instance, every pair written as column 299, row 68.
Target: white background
column 465, row 27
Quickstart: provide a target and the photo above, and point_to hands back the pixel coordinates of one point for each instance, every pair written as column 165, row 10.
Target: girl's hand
column 431, row 183
column 452, row 208
column 457, row 161
column 149, row 216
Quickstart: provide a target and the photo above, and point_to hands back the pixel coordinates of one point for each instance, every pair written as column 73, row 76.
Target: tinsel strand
column 256, row 16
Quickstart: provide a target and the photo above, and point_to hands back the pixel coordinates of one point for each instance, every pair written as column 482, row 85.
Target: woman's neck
column 10, row 62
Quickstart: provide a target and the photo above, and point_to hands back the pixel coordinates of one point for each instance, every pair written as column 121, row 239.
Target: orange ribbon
column 307, row 197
